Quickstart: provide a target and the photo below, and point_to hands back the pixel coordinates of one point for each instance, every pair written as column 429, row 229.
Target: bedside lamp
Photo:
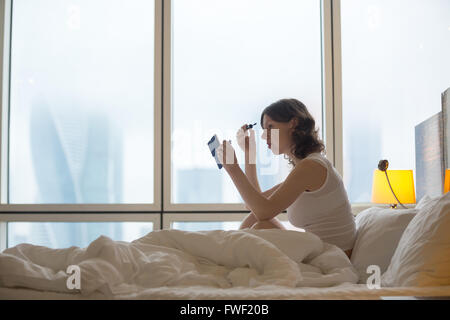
column 401, row 183
column 447, row 181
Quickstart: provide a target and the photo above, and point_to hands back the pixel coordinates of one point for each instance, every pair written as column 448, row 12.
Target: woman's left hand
column 226, row 151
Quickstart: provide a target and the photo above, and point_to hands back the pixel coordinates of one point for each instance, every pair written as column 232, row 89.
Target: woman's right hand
column 246, row 140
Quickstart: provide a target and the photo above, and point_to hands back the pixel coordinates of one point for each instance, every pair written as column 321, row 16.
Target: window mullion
column 337, row 86
column 5, row 32
column 332, row 83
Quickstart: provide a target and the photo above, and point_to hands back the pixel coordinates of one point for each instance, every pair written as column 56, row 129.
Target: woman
column 313, row 193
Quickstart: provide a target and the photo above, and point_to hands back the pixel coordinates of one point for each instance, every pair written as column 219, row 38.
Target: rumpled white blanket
column 220, row 259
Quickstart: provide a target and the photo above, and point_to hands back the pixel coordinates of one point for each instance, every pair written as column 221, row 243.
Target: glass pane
column 218, row 225
column 231, row 59
column 82, row 101
column 395, row 66
column 205, row 225
column 67, row 234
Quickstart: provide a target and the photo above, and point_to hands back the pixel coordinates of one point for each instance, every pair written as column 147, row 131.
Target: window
column 84, row 80
column 214, row 225
column 394, row 68
column 205, row 225
column 231, row 59
column 79, row 121
column 80, row 234
column 201, row 221
column 81, row 102
column 106, row 111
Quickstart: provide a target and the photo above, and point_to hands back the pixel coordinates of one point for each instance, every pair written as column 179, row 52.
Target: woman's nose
column 266, row 134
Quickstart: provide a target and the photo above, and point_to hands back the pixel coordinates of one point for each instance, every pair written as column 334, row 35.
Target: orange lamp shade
column 447, row 181
column 402, row 182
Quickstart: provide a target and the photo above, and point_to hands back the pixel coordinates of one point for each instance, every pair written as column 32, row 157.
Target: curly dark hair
column 305, row 134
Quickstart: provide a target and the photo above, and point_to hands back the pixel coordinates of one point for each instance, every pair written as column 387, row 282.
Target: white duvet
column 168, row 258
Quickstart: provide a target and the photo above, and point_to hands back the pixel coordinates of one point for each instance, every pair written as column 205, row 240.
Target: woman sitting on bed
column 313, row 193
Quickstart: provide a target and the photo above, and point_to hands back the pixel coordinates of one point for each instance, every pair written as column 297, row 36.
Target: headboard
column 446, row 126
column 433, row 150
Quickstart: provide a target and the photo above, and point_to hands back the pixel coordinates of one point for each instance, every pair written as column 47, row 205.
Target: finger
column 241, row 133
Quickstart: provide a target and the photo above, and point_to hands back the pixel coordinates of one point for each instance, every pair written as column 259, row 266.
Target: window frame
column 162, row 207
column 327, row 121
column 70, row 217
column 201, row 217
column 6, row 7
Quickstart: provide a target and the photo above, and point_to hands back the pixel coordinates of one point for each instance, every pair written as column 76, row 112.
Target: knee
column 265, row 224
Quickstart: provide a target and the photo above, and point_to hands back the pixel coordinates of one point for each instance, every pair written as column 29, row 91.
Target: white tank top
column 326, row 211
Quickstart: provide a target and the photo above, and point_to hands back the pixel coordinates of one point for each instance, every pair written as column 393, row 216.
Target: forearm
column 250, row 168
column 250, row 172
column 253, row 198
column 249, row 221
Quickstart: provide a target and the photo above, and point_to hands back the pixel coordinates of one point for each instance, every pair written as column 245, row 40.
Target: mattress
column 270, row 292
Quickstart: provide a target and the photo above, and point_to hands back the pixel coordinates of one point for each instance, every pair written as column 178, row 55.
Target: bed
column 340, row 292
column 397, row 253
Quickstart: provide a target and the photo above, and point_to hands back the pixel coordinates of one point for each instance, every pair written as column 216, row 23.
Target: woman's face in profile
column 277, row 135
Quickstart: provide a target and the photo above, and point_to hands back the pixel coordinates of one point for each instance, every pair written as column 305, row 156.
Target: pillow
column 425, row 201
column 422, row 257
column 378, row 232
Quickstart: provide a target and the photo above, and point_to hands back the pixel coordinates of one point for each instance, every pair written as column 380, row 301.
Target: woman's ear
column 293, row 123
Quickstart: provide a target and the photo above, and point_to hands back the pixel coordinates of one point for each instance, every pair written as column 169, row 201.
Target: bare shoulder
column 309, row 164
column 312, row 173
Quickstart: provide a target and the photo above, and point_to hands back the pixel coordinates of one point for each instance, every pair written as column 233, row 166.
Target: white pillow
column 378, row 232
column 425, row 201
column 422, row 257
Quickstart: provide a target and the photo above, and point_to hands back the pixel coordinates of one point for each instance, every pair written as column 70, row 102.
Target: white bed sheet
column 285, row 269
column 174, row 258
column 270, row 292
